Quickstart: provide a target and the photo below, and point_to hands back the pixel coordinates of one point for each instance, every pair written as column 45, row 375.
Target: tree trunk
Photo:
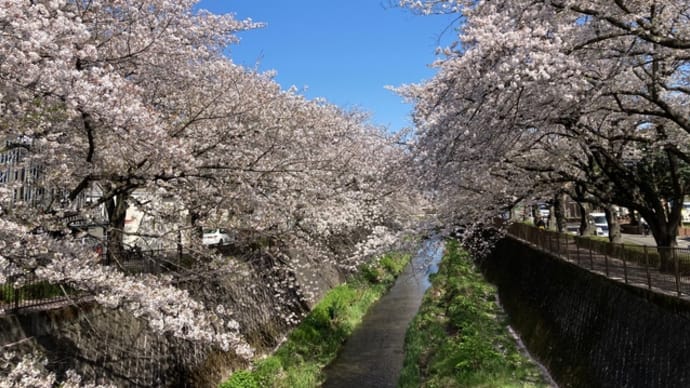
column 614, row 225
column 116, row 209
column 586, row 227
column 665, row 236
column 557, row 216
column 197, row 229
column 663, row 223
column 535, row 213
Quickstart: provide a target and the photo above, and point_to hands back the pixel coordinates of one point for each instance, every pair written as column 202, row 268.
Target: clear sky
column 345, row 51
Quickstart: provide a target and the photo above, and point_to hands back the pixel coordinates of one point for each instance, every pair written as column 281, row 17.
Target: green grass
column 645, row 256
column 459, row 338
column 631, row 252
column 312, row 345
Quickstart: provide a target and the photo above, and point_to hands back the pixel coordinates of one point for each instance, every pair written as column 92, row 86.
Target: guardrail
column 634, row 264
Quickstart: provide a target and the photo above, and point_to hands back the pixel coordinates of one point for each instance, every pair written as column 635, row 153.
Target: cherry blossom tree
column 112, row 98
column 78, row 79
column 562, row 92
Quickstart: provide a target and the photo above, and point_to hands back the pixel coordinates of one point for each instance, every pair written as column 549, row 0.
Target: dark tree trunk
column 663, row 224
column 586, row 227
column 614, row 225
column 665, row 236
column 535, row 213
column 116, row 209
column 194, row 218
column 558, row 211
column 655, row 188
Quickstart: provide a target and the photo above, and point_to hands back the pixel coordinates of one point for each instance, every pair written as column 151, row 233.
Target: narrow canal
column 373, row 355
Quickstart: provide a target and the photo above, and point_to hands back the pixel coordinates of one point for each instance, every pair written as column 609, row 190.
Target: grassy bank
column 459, row 338
column 316, row 341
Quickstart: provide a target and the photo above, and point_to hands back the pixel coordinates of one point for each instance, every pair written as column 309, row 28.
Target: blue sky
column 345, row 51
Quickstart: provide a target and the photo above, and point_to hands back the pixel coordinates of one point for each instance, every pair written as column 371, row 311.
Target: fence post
column 591, row 258
column 677, row 265
column 606, row 264
column 567, row 251
column 15, row 295
column 538, row 238
column 558, row 244
column 577, row 250
column 179, row 246
column 549, row 238
column 646, row 265
column 541, row 240
column 625, row 266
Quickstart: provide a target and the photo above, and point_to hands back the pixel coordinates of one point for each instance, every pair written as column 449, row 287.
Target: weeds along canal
column 373, row 355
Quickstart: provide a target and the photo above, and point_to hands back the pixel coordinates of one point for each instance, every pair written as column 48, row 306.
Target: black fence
column 664, row 269
column 148, row 261
column 26, row 291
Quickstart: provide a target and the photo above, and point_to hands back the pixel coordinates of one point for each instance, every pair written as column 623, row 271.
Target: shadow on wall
column 590, row 331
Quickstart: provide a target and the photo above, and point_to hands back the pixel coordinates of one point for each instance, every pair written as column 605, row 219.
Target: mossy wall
column 590, row 331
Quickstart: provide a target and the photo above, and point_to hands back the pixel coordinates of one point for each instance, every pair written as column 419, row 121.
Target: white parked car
column 685, row 212
column 544, row 211
column 215, row 236
column 601, row 224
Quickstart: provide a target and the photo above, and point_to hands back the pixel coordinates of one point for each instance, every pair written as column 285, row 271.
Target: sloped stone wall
column 104, row 345
column 590, row 331
column 101, row 345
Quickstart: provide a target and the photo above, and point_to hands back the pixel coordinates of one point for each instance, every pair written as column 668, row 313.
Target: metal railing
column 147, row 261
column 26, row 291
column 663, row 269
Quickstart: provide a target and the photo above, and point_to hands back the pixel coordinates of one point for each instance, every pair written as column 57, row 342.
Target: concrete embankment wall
column 101, row 345
column 590, row 331
column 111, row 346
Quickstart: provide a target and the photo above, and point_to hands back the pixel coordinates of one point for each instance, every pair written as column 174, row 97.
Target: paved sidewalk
column 626, row 266
column 683, row 242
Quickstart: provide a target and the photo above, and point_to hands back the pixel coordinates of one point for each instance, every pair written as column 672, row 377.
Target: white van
column 601, row 224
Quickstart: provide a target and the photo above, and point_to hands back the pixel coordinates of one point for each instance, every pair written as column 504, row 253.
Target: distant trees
column 541, row 94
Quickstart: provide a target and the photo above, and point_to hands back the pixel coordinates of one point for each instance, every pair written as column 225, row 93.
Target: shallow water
column 373, row 355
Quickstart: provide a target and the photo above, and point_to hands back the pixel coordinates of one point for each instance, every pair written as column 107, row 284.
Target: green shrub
column 267, row 370
column 371, row 274
column 241, row 379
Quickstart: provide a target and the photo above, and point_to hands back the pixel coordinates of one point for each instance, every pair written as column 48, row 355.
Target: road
column 683, row 242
